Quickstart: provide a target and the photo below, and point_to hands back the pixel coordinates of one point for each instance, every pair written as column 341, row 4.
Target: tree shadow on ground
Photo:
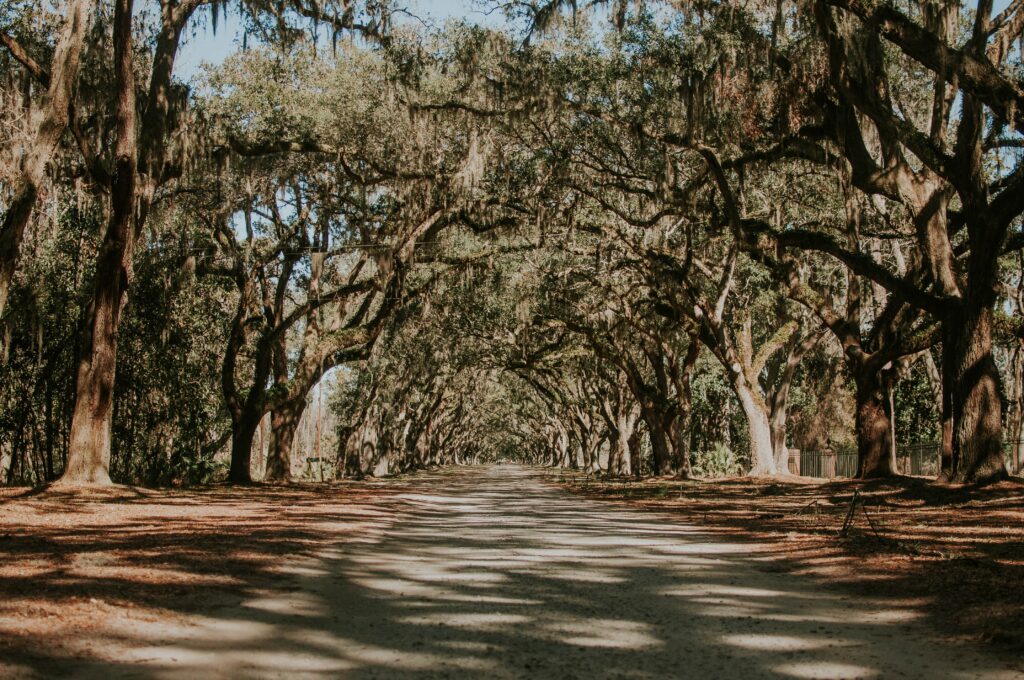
column 468, row 574
column 957, row 548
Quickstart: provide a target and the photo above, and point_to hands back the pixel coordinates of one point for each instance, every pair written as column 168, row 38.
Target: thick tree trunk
column 12, row 230
column 777, row 422
column 890, row 405
column 635, row 459
column 583, row 437
column 682, row 379
column 616, row 453
column 349, row 462
column 874, row 441
column 619, row 455
column 247, row 415
column 90, row 440
column 681, row 445
column 781, row 380
column 976, row 397
column 89, row 446
column 90, row 437
column 242, row 434
column 661, row 456
column 630, row 438
column 591, row 447
column 758, row 426
column 587, row 458
column 63, row 76
column 284, row 421
column 562, row 446
column 8, row 459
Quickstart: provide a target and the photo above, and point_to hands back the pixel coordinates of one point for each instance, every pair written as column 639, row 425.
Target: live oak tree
column 58, row 78
column 933, row 163
column 151, row 148
column 605, row 249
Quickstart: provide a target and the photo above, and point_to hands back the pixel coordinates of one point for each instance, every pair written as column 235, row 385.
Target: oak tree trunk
column 635, row 460
column 284, row 421
column 874, row 441
column 616, row 453
column 778, row 433
column 681, row 445
column 755, row 411
column 89, row 445
column 12, row 231
column 976, row 397
column 63, row 76
column 661, row 456
column 619, row 456
column 242, row 434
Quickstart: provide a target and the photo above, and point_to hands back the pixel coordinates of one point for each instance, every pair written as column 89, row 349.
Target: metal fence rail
column 919, row 459
column 911, row 459
column 828, row 464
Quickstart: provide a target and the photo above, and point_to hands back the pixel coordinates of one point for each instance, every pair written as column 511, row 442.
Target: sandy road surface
column 494, row 573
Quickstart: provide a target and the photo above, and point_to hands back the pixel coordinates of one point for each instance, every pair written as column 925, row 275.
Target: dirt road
column 495, row 573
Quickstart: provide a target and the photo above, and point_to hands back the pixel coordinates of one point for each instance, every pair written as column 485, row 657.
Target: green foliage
column 581, row 241
column 717, row 462
column 40, row 347
column 169, row 413
column 917, row 421
column 168, row 409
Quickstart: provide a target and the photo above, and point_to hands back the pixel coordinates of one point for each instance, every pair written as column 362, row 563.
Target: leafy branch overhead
column 628, row 237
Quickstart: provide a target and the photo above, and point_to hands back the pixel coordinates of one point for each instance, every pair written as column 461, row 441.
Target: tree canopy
column 650, row 238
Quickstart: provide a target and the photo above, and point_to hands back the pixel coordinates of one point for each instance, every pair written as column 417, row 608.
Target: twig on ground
column 858, row 500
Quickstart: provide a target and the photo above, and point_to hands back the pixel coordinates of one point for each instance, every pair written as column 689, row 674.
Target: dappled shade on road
column 492, row 572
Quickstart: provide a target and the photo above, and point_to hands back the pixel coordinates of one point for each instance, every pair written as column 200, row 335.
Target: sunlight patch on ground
column 431, row 571
column 469, row 646
column 308, row 572
column 742, row 591
column 567, row 554
column 755, row 597
column 412, row 661
column 729, row 602
column 615, row 541
column 885, row 614
column 860, row 617
column 312, row 567
column 391, row 586
column 826, row 670
column 731, row 612
column 606, row 633
column 292, row 604
column 684, row 548
column 575, row 574
column 212, row 630
column 493, row 599
column 220, row 663
column 781, row 643
column 481, row 621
